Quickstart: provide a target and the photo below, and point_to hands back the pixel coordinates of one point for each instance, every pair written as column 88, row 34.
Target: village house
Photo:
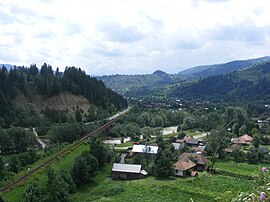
column 183, row 167
column 199, row 160
column 242, row 140
column 127, row 171
column 189, row 141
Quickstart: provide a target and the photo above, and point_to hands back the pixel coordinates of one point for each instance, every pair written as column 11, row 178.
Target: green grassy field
column 65, row 163
column 216, row 187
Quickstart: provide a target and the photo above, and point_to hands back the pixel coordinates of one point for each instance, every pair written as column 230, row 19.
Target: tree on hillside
column 189, row 123
column 163, row 165
column 84, row 168
column 146, row 117
column 234, row 118
column 133, row 131
column 147, row 132
column 256, row 140
column 217, row 141
column 2, row 168
column 14, row 164
column 35, row 192
column 78, row 115
column 67, row 178
column 57, row 188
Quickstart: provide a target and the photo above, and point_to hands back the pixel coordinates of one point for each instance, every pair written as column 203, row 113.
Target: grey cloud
column 47, row 34
column 113, row 31
column 187, row 44
column 8, row 55
column 244, row 33
column 21, row 11
column 107, row 52
column 73, row 29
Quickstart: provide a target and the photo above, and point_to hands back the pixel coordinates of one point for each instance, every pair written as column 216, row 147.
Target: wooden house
column 199, row 160
column 183, row 167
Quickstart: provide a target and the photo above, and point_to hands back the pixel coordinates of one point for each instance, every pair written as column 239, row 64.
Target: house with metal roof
column 178, row 146
column 127, row 171
column 149, row 149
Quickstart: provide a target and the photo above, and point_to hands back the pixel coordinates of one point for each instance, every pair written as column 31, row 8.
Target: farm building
column 127, row 171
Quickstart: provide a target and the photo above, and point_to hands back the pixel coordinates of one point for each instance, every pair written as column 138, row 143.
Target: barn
column 127, row 171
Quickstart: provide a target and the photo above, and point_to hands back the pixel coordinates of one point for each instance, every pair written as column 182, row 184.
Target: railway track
column 56, row 157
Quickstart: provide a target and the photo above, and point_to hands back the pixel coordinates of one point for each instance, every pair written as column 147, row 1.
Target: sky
column 106, row 37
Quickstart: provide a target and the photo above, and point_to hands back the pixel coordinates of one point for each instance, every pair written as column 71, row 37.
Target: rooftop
column 145, row 149
column 128, row 168
column 197, row 157
column 183, row 164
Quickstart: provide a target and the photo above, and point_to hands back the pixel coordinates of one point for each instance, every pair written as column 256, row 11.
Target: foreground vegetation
column 205, row 187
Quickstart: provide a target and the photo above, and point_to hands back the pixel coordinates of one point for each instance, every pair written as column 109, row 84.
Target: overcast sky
column 132, row 36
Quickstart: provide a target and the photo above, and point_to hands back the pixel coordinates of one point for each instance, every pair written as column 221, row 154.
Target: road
column 118, row 114
column 200, row 136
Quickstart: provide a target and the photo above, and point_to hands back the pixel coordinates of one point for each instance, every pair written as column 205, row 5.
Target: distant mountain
column 252, row 83
column 8, row 66
column 159, row 83
column 132, row 85
column 218, row 69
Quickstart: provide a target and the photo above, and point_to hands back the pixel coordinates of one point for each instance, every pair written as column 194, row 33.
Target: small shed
column 127, row 171
column 178, row 146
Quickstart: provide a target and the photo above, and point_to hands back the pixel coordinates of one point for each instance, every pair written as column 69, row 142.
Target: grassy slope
column 202, row 188
column 65, row 163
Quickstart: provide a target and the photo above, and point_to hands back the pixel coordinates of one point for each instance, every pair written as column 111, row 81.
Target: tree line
column 49, row 83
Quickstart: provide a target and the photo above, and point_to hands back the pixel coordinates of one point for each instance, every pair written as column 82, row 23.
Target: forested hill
column 131, row 85
column 22, row 84
column 218, row 69
column 252, row 83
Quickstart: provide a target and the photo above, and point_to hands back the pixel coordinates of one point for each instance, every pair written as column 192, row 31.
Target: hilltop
column 160, row 83
column 27, row 94
column 252, row 83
